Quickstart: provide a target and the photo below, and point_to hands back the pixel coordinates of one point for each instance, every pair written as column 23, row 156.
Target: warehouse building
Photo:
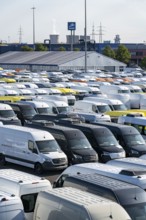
column 54, row 61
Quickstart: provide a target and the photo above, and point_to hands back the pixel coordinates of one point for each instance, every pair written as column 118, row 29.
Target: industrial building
column 63, row 60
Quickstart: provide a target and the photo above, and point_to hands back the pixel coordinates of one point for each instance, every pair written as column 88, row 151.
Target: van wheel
column 38, row 168
column 2, row 160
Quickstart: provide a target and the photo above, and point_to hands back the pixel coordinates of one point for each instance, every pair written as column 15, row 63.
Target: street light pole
column 85, row 33
column 33, row 8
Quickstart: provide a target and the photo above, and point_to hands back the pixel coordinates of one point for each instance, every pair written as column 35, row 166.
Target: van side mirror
column 35, row 151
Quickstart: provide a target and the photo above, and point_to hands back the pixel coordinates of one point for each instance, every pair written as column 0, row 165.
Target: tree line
column 121, row 54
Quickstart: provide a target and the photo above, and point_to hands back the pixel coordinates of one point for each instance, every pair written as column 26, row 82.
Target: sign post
column 72, row 28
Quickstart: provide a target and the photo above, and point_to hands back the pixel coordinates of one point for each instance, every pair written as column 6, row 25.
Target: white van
column 134, row 176
column 91, row 106
column 40, row 106
column 31, row 147
column 119, row 92
column 10, row 207
column 56, row 106
column 7, row 115
column 25, row 186
column 114, row 104
column 73, row 204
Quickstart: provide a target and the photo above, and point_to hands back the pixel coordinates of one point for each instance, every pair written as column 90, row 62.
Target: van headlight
column 77, row 156
column 134, row 152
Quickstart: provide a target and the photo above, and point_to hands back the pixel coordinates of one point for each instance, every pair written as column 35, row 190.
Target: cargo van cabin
column 69, row 204
column 129, row 138
column 32, row 148
column 7, row 115
column 24, row 112
column 72, row 142
column 130, row 197
column 10, row 207
column 91, row 106
column 113, row 103
column 101, row 139
column 24, row 186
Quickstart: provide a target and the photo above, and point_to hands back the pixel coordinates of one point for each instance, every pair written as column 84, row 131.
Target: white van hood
column 54, row 155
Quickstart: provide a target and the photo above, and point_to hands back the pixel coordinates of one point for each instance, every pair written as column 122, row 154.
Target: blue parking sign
column 72, row 26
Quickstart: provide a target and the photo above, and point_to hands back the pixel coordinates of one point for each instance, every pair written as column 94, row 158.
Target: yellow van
column 66, row 91
column 115, row 114
column 14, row 98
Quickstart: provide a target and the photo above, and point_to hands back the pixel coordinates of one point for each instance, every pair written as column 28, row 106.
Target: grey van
column 129, row 138
column 131, row 197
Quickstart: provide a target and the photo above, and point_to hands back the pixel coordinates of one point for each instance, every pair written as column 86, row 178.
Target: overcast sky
column 124, row 17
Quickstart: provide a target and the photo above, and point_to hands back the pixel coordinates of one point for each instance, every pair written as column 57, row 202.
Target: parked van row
column 82, row 142
column 128, row 137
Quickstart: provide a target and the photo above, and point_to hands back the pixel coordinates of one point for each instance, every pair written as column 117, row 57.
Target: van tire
column 38, row 168
column 2, row 160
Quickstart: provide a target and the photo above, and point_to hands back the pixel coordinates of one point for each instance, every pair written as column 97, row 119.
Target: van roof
column 77, row 196
column 92, row 102
column 38, row 104
column 4, row 196
column 134, row 176
column 104, row 181
column 124, row 128
column 36, row 133
column 50, row 125
column 5, row 107
column 128, row 162
column 20, row 177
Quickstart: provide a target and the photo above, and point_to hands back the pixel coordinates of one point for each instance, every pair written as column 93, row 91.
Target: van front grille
column 59, row 161
column 89, row 158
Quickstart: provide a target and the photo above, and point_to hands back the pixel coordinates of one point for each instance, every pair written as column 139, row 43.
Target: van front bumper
column 54, row 166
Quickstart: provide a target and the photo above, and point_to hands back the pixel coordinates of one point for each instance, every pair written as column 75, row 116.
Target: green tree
column 123, row 54
column 40, row 47
column 143, row 63
column 109, row 52
column 76, row 49
column 26, row 48
column 62, row 49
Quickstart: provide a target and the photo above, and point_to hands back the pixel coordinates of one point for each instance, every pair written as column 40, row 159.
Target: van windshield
column 135, row 139
column 107, row 141
column 47, row 146
column 78, row 144
column 44, row 110
column 103, row 108
column 28, row 111
column 119, row 107
column 7, row 113
column 137, row 211
column 63, row 109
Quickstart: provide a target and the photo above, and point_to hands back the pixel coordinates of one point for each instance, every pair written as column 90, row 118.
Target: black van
column 131, row 197
column 23, row 111
column 100, row 138
column 72, row 142
column 129, row 138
